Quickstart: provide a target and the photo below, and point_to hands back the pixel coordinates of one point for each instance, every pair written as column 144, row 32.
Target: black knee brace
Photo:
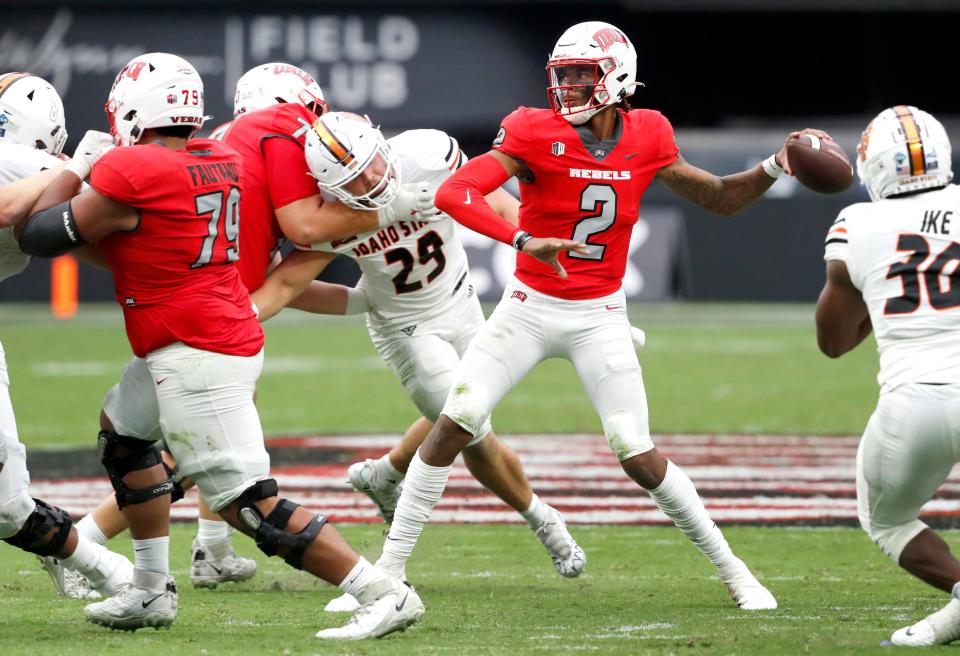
column 177, row 492
column 136, row 455
column 271, row 537
column 41, row 521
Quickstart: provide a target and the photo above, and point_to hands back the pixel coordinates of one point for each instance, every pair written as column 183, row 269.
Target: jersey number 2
column 219, row 205
column 602, row 219
column 429, row 247
column 911, row 271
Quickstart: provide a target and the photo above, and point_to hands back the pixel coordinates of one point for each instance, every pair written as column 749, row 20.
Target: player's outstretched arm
column 727, row 194
column 287, row 281
column 16, row 198
column 330, row 298
column 313, row 220
column 843, row 320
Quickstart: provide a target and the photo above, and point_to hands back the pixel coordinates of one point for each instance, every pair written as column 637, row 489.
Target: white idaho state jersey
column 411, row 269
column 18, row 162
column 903, row 254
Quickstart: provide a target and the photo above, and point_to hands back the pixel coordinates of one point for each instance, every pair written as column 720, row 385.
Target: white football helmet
column 155, row 90
column 31, row 113
column 350, row 159
column 903, row 149
column 593, row 66
column 269, row 84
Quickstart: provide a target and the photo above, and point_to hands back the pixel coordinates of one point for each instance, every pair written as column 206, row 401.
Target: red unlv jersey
column 270, row 142
column 175, row 274
column 574, row 194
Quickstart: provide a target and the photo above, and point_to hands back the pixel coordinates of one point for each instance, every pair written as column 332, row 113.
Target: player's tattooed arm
column 725, row 195
column 843, row 320
column 313, row 220
column 288, row 281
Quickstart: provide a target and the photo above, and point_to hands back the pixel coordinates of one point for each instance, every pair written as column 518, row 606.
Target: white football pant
column 16, row 505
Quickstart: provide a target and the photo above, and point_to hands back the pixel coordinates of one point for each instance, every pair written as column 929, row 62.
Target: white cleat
column 937, row 628
column 748, row 592
column 366, row 479
column 638, row 336
column 397, row 610
column 116, row 573
column 345, row 603
column 208, row 568
column 70, row 584
column 150, row 600
column 568, row 558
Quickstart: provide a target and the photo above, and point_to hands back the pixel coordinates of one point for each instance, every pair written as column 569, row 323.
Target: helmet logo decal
column 608, row 36
column 330, row 141
column 171, row 99
column 133, row 70
column 279, row 69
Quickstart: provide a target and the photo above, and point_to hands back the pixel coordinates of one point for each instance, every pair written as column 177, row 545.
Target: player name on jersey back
column 903, row 254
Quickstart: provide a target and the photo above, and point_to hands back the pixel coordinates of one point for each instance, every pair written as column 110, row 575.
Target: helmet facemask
column 577, row 87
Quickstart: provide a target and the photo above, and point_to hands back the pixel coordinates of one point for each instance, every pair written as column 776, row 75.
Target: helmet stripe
column 914, row 143
column 328, row 139
column 9, row 79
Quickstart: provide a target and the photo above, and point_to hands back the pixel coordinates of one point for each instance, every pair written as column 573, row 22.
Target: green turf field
column 492, row 590
column 708, row 368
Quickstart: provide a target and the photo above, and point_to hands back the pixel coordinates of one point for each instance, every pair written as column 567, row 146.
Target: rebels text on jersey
column 270, row 143
column 903, row 254
column 575, row 194
column 175, row 274
column 412, row 270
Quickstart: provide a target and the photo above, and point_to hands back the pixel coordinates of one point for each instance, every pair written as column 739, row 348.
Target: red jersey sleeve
column 667, row 152
column 112, row 177
column 514, row 136
column 288, row 178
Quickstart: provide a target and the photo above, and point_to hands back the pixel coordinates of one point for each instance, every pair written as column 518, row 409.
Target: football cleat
column 396, row 610
column 568, row 558
column 149, row 600
column 747, row 591
column 208, row 568
column 938, row 628
column 345, row 603
column 70, row 584
column 365, row 478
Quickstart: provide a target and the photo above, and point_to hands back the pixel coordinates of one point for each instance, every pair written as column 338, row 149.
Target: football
column 820, row 164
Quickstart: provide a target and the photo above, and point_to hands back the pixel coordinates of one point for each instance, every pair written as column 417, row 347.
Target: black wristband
column 521, row 239
column 50, row 232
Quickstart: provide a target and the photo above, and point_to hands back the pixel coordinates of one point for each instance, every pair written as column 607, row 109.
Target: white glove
column 638, row 336
column 414, row 202
column 91, row 148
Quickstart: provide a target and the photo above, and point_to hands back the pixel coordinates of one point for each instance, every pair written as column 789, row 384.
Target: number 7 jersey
column 903, row 254
column 582, row 191
column 412, row 270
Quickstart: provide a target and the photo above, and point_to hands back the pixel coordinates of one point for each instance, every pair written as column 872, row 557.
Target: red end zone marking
column 747, row 479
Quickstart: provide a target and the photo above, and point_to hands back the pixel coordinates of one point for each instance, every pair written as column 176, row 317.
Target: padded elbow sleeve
column 51, row 232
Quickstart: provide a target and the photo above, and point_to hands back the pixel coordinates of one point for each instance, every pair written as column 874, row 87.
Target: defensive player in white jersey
column 892, row 266
column 423, row 310
column 32, row 135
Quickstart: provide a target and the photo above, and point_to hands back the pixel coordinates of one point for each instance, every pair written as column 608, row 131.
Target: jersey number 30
column 915, row 277
column 219, row 205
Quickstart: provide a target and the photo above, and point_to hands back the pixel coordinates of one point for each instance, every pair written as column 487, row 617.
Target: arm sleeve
column 288, row 178
column 462, row 197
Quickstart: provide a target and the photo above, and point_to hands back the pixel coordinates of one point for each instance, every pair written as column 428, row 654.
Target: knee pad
column 626, row 435
column 893, row 539
column 137, row 455
column 45, row 518
column 271, row 536
column 468, row 406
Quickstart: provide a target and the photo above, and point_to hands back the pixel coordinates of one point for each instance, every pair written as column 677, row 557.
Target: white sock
column 421, row 492
column 386, row 469
column 152, row 554
column 212, row 531
column 365, row 582
column 678, row 499
column 88, row 528
column 536, row 514
column 85, row 558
